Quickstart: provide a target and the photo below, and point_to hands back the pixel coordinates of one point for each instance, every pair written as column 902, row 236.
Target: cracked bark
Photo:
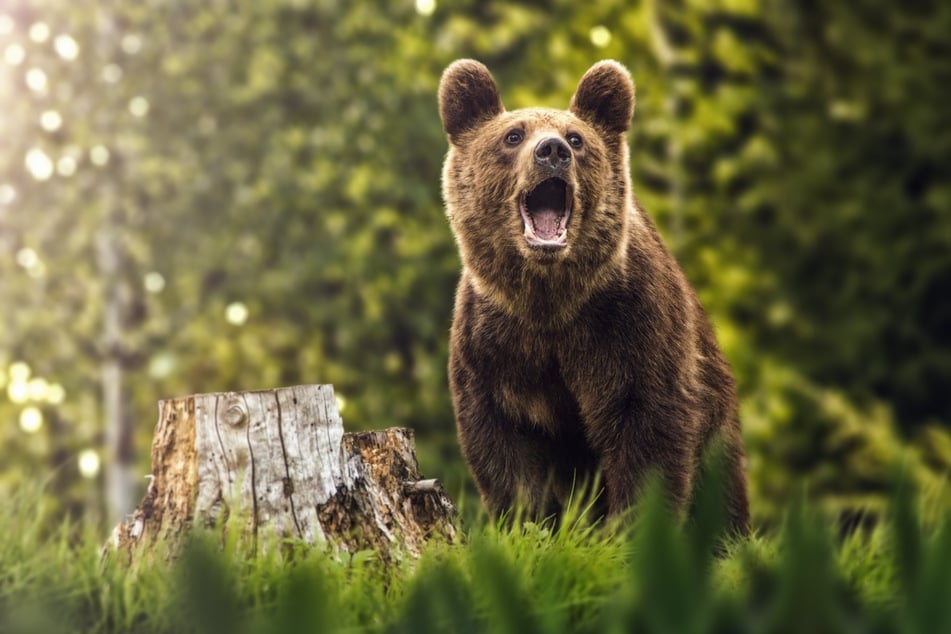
column 276, row 463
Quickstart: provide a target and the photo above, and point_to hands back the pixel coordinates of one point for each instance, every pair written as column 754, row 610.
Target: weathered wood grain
column 277, row 464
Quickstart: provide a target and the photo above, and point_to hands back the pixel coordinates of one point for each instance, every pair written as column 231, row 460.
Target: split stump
column 278, row 461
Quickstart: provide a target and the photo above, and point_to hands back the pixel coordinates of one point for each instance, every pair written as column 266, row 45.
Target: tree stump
column 278, row 461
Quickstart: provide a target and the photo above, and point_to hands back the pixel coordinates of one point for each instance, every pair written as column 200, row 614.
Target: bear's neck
column 549, row 295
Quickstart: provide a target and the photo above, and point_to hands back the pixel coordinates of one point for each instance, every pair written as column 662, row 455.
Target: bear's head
column 536, row 189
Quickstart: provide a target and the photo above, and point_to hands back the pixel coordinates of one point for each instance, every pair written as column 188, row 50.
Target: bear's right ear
column 605, row 97
column 468, row 96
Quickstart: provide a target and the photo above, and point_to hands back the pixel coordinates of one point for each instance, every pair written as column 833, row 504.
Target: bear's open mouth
column 545, row 211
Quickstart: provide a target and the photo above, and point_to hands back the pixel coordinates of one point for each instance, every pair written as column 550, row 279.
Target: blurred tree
column 242, row 173
column 854, row 221
column 62, row 161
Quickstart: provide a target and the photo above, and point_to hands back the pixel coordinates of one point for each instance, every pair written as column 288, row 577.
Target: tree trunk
column 278, row 462
column 119, row 483
column 112, row 262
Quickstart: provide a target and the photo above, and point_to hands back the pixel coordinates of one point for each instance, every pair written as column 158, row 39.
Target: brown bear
column 578, row 347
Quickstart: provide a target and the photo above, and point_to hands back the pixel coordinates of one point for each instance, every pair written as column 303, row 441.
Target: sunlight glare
column 600, row 36
column 51, row 121
column 425, row 7
column 38, row 389
column 66, row 47
column 18, row 392
column 36, row 80
column 66, row 166
column 14, row 55
column 89, row 463
column 236, row 313
column 39, row 32
column 55, row 395
column 131, row 44
column 39, row 164
column 31, row 419
column 27, row 258
column 139, row 106
column 7, row 194
column 154, row 282
column 19, row 371
column 99, row 155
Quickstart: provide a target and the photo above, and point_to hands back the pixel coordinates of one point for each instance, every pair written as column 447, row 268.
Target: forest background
column 210, row 196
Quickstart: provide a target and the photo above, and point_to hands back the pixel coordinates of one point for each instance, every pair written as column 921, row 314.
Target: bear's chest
column 528, row 382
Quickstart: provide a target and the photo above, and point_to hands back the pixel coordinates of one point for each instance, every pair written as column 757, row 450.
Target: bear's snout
column 553, row 154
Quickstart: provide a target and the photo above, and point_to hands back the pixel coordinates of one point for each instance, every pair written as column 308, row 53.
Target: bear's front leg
column 513, row 466
column 635, row 443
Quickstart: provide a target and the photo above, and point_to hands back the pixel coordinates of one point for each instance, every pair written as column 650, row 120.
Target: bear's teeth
column 545, row 210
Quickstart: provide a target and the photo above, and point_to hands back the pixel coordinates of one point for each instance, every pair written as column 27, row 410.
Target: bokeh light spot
column 39, row 164
column 51, row 121
column 89, row 463
column 66, row 47
column 162, row 365
column 236, row 313
column 27, row 258
column 131, row 44
column 19, row 370
column 18, row 392
column 600, row 36
column 154, row 282
column 99, row 155
column 55, row 395
column 8, row 194
column 39, row 32
column 36, row 80
column 14, row 55
column 31, row 419
column 425, row 7
column 38, row 389
column 139, row 106
column 66, row 166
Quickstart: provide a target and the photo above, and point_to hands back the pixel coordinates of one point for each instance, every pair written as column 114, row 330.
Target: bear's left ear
column 468, row 96
column 605, row 97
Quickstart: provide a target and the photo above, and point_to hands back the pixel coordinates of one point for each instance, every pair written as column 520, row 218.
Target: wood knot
column 234, row 415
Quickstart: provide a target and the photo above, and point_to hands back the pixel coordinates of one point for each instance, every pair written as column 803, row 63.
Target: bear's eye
column 575, row 140
column 514, row 137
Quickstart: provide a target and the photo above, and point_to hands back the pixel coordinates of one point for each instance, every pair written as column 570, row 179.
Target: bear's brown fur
column 577, row 344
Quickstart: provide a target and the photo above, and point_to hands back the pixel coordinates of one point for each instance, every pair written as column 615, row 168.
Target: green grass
column 521, row 578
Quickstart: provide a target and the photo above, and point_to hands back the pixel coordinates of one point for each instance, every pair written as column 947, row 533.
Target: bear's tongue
column 546, row 222
column 546, row 206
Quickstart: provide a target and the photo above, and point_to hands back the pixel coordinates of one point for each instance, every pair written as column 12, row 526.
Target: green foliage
column 269, row 177
column 862, row 210
column 653, row 575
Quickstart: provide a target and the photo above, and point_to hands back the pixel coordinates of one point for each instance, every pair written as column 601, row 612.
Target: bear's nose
column 553, row 153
